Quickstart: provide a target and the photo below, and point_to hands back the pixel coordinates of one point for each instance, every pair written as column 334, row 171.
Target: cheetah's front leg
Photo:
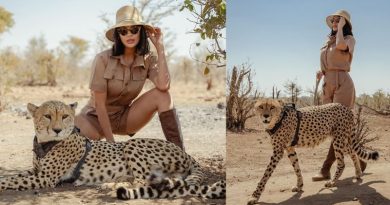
column 292, row 155
column 18, row 182
column 278, row 154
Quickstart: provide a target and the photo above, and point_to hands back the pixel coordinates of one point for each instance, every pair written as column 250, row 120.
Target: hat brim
column 110, row 31
column 330, row 17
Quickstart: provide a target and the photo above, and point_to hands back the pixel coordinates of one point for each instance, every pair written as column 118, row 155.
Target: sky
column 281, row 40
column 58, row 19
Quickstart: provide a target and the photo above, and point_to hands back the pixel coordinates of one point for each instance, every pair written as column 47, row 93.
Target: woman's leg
column 143, row 109
column 328, row 92
column 345, row 93
column 86, row 128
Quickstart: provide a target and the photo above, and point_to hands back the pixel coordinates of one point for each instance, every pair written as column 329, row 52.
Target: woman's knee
column 162, row 97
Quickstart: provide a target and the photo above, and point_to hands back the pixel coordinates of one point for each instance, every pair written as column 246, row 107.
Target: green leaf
column 206, row 70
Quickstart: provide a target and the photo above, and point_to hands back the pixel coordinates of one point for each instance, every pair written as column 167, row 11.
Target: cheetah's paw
column 330, row 184
column 296, row 189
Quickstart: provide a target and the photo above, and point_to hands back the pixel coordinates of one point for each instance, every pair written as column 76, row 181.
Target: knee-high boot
column 171, row 127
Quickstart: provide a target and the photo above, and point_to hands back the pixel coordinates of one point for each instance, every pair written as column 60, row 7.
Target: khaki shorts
column 338, row 87
column 118, row 119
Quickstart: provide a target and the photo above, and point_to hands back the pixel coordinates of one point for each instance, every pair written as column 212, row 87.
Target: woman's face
column 335, row 21
column 129, row 35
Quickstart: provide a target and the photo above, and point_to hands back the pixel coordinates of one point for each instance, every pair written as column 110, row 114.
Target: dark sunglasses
column 125, row 30
column 337, row 20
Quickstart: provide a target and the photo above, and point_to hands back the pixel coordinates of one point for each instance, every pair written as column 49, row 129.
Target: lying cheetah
column 61, row 154
column 308, row 127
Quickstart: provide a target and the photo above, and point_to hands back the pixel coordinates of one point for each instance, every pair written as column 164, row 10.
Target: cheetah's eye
column 65, row 116
column 272, row 107
column 261, row 107
column 48, row 116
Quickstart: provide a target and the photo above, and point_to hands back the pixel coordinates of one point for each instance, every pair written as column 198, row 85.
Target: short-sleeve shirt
column 122, row 82
column 336, row 59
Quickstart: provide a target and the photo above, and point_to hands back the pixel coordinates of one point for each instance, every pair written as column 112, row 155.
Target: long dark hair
column 142, row 47
column 347, row 30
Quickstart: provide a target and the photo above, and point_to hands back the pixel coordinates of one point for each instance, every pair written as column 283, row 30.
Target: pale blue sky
column 57, row 19
column 282, row 39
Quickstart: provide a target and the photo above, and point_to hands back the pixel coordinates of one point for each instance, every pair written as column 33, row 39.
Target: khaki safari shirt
column 122, row 82
column 335, row 59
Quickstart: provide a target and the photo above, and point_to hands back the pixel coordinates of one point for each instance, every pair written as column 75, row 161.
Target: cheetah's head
column 269, row 110
column 53, row 120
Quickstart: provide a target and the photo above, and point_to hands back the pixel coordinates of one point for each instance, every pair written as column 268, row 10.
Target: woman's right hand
column 319, row 74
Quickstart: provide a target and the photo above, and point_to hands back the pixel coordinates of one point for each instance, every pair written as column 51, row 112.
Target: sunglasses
column 125, row 30
column 335, row 20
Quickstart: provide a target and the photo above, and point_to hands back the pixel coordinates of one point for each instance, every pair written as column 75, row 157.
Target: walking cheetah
column 308, row 127
column 71, row 157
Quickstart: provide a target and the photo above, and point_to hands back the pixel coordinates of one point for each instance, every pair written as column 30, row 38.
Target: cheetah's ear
column 281, row 102
column 32, row 108
column 73, row 106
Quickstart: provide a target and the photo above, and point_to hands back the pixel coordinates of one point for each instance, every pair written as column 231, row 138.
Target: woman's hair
column 347, row 30
column 142, row 47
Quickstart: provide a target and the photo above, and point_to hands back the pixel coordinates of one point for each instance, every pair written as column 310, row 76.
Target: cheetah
column 307, row 127
column 61, row 155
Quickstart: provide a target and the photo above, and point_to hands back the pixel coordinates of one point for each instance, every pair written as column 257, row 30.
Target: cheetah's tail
column 214, row 191
column 363, row 153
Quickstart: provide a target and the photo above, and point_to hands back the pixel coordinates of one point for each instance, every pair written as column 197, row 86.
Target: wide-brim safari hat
column 342, row 13
column 128, row 16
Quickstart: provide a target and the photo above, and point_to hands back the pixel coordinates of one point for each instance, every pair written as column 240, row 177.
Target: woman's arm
column 101, row 110
column 340, row 41
column 162, row 80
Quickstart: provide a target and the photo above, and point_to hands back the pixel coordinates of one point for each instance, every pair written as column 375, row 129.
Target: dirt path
column 203, row 127
column 248, row 154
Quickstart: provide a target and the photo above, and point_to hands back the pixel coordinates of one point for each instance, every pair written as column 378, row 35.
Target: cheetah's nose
column 57, row 130
column 266, row 116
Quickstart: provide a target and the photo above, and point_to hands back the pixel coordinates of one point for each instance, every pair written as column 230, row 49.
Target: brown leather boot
column 171, row 127
column 325, row 170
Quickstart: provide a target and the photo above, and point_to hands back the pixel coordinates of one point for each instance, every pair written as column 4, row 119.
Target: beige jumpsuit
column 122, row 82
column 338, row 86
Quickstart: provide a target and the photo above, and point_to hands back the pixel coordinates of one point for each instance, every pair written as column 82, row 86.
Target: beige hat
column 342, row 13
column 127, row 16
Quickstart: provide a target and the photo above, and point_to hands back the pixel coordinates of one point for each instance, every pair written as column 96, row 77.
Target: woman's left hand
column 341, row 22
column 157, row 38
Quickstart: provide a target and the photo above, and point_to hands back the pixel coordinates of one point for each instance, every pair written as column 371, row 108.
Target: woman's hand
column 341, row 23
column 319, row 74
column 157, row 39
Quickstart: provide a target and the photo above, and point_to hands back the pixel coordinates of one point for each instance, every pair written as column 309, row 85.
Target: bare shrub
column 293, row 90
column 362, row 130
column 240, row 95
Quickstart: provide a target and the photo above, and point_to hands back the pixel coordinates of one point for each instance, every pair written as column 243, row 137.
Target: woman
column 117, row 78
column 338, row 87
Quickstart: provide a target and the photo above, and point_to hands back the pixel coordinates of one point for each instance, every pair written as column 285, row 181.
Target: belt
column 336, row 70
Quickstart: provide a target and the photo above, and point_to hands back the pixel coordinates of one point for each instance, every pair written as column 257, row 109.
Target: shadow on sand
column 346, row 190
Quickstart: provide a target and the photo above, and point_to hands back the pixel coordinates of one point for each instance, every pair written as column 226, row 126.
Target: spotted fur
column 317, row 123
column 104, row 162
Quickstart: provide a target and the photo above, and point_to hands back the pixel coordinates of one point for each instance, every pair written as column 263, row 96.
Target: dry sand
column 248, row 154
column 203, row 127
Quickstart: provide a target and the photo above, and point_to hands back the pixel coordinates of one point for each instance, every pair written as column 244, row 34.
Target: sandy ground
column 202, row 116
column 248, row 154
